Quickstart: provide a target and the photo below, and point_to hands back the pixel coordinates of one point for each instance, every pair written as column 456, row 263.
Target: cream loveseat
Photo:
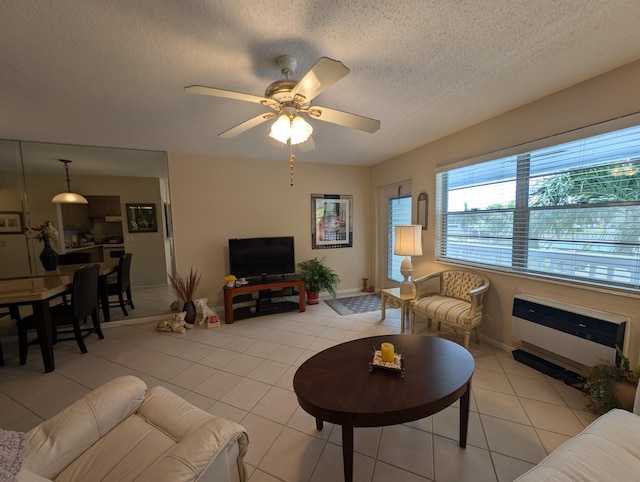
column 608, row 449
column 122, row 432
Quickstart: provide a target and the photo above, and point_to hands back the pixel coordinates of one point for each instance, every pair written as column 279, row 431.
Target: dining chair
column 121, row 286
column 84, row 304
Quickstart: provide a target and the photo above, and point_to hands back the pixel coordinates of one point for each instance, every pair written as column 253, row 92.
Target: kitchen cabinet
column 101, row 206
column 76, row 216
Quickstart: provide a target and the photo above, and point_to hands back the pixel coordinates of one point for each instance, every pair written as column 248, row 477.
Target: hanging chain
column 291, row 159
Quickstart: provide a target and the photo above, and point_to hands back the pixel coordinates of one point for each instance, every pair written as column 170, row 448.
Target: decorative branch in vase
column 185, row 289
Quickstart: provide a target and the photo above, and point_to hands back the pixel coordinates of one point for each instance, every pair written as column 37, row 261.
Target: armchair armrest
column 420, row 282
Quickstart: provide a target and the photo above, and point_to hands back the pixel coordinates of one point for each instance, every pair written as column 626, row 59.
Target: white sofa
column 121, row 432
column 608, row 449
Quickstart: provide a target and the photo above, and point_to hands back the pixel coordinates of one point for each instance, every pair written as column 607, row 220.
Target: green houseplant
column 317, row 277
column 611, row 386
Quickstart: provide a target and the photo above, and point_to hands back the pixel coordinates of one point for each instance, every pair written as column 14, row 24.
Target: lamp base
column 406, row 288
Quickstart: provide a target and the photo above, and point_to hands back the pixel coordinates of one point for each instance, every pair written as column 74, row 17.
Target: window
column 568, row 211
column 398, row 198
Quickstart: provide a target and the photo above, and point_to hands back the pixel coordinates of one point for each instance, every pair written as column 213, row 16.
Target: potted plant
column 317, row 277
column 185, row 289
column 611, row 386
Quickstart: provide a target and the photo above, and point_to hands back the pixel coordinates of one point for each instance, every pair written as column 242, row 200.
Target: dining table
column 39, row 290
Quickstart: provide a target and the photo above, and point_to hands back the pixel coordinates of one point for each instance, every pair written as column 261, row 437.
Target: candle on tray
column 387, row 352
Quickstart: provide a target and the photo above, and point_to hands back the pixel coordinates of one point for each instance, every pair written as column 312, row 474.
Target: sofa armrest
column 56, row 442
column 636, row 404
column 200, row 437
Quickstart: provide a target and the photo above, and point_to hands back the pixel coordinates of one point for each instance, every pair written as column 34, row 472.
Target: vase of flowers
column 185, row 289
column 230, row 280
column 46, row 233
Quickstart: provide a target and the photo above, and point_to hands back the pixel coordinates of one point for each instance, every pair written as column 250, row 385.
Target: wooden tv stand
column 263, row 304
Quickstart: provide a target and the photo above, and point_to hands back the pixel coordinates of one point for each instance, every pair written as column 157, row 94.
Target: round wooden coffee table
column 336, row 386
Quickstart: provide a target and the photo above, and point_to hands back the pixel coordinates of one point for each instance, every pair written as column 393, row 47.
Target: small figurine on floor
column 176, row 324
column 205, row 315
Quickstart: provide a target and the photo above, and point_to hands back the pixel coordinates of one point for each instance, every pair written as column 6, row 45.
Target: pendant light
column 68, row 197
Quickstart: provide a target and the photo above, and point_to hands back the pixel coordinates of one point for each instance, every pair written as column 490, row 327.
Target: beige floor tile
column 293, row 456
column 217, row 384
column 551, row 440
column 513, row 439
column 508, row 468
column 491, row 380
column 330, row 466
column 245, row 394
column 446, row 423
column 552, row 417
column 453, row 463
column 277, row 405
column 536, row 389
column 406, row 447
column 383, row 472
column 262, row 434
column 366, row 440
column 501, row 405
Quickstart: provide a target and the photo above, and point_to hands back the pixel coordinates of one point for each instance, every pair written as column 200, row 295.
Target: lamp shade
column 408, row 240
column 69, row 198
column 281, row 129
column 300, row 130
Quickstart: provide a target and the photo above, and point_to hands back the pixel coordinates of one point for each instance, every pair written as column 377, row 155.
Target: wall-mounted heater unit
column 580, row 335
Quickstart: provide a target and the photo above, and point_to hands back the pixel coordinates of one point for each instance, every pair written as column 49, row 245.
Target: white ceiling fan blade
column 308, row 145
column 246, row 125
column 230, row 94
column 322, row 75
column 354, row 121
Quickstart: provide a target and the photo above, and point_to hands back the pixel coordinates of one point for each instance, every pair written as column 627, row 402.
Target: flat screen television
column 252, row 257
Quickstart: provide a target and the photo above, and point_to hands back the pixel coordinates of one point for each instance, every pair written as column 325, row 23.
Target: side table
column 396, row 300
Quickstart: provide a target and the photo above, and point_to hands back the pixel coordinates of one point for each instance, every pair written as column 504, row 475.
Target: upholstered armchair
column 458, row 303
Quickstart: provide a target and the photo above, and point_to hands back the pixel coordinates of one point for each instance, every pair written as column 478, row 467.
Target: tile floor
column 244, row 372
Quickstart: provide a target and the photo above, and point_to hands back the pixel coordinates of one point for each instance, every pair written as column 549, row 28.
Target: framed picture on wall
column 331, row 221
column 11, row 222
column 142, row 218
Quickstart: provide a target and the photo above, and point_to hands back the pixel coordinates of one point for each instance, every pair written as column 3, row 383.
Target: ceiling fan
column 289, row 98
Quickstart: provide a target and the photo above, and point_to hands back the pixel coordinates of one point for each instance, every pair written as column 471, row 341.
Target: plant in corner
column 185, row 289
column 317, row 277
column 611, row 386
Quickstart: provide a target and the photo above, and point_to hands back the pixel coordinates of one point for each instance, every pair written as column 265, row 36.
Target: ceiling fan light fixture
column 68, row 197
column 300, row 130
column 281, row 129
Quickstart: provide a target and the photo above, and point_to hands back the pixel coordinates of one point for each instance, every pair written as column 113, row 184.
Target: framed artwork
column 142, row 218
column 331, row 221
column 11, row 222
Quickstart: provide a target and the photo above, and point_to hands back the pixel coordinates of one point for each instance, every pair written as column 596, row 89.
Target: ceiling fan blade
column 322, row 75
column 230, row 94
column 246, row 125
column 344, row 119
column 308, row 145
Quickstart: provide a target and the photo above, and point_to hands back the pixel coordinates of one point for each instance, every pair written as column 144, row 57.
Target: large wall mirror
column 31, row 174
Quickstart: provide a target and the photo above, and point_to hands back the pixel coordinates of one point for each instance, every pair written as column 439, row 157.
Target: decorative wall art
column 331, row 221
column 142, row 218
column 11, row 222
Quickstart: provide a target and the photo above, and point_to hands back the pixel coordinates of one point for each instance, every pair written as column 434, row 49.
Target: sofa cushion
column 166, row 439
column 451, row 310
column 609, row 449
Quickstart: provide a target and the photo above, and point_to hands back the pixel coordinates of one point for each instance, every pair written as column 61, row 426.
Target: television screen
column 251, row 257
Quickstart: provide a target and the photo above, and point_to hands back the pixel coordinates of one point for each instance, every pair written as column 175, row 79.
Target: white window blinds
column 569, row 210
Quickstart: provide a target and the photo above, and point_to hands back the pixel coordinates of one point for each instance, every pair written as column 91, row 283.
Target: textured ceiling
column 112, row 73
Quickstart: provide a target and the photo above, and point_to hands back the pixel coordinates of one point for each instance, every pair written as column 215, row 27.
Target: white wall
column 214, row 199
column 605, row 97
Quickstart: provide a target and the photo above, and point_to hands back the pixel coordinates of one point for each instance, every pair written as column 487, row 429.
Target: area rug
column 355, row 304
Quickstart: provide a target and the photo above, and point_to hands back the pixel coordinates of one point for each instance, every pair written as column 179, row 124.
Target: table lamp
column 408, row 243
